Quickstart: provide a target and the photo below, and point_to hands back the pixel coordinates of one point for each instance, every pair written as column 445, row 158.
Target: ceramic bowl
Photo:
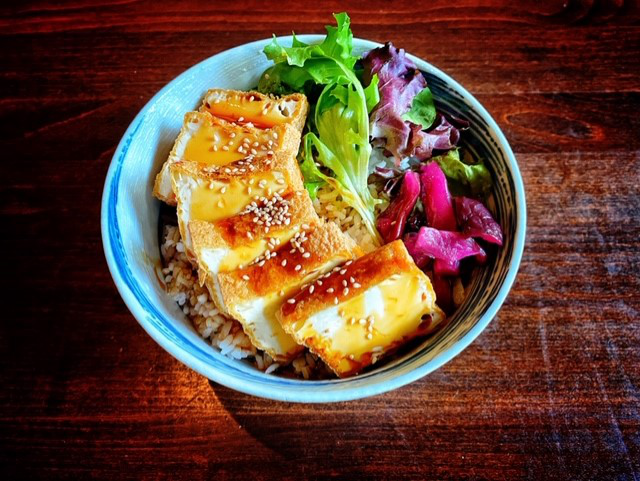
column 130, row 233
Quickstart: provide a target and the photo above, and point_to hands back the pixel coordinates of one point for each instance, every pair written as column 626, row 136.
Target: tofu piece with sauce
column 234, row 243
column 363, row 309
column 212, row 142
column 253, row 295
column 257, row 109
column 215, row 193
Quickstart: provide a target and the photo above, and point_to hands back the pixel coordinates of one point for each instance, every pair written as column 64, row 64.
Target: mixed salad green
column 381, row 102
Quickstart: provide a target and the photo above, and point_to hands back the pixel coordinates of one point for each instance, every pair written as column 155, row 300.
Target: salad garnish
column 381, row 103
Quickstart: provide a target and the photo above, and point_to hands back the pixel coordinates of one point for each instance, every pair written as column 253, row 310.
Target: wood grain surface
column 549, row 391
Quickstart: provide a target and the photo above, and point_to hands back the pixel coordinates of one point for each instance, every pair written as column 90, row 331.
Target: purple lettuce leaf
column 475, row 220
column 443, row 135
column 391, row 222
column 436, row 199
column 399, row 82
column 441, row 244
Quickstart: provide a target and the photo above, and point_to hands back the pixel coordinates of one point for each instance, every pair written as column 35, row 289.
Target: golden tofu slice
column 255, row 293
column 234, row 243
column 214, row 193
column 256, row 109
column 212, row 142
column 363, row 310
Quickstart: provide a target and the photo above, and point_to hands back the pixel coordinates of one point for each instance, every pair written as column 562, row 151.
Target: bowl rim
column 282, row 393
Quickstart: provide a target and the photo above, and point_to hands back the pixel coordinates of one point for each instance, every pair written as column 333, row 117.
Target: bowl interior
column 130, row 234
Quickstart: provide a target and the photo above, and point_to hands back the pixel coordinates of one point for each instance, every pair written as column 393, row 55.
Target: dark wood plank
column 548, row 391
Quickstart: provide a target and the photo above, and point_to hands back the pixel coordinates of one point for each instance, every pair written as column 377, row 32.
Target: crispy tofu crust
column 276, row 106
column 281, row 161
column 325, row 243
column 232, row 232
column 284, row 146
column 368, row 271
column 240, row 230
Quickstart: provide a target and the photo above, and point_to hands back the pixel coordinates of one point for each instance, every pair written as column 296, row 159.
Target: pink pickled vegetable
column 475, row 220
column 439, row 244
column 444, row 294
column 392, row 221
column 442, row 267
column 436, row 198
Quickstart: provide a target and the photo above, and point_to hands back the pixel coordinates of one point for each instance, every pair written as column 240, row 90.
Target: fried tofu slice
column 212, row 142
column 363, row 310
column 215, row 193
column 255, row 293
column 236, row 242
column 257, row 109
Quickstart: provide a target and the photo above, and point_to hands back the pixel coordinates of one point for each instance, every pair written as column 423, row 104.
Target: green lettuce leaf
column 342, row 147
column 336, row 149
column 423, row 110
column 473, row 177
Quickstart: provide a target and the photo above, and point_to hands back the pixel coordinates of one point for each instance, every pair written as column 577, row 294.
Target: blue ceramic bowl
column 130, row 233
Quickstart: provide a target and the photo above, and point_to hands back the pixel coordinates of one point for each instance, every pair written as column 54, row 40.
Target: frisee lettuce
column 336, row 150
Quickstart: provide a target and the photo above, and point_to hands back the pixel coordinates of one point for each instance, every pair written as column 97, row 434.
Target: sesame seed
column 215, row 148
column 245, row 277
column 255, row 144
column 261, row 263
column 362, row 321
column 275, row 135
column 281, row 292
column 251, row 98
column 319, row 282
column 232, row 135
column 298, row 267
column 343, row 272
column 291, row 301
column 240, row 119
column 348, row 263
column 369, row 336
column 344, row 283
column 311, row 289
column 264, row 112
column 331, row 290
column 225, row 148
column 306, row 255
column 253, row 151
column 352, row 280
column 283, row 263
column 357, row 285
column 345, row 291
column 224, row 189
column 249, row 235
column 335, row 300
column 351, row 357
column 220, row 203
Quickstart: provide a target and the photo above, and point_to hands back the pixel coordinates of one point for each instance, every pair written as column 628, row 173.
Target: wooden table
column 548, row 391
